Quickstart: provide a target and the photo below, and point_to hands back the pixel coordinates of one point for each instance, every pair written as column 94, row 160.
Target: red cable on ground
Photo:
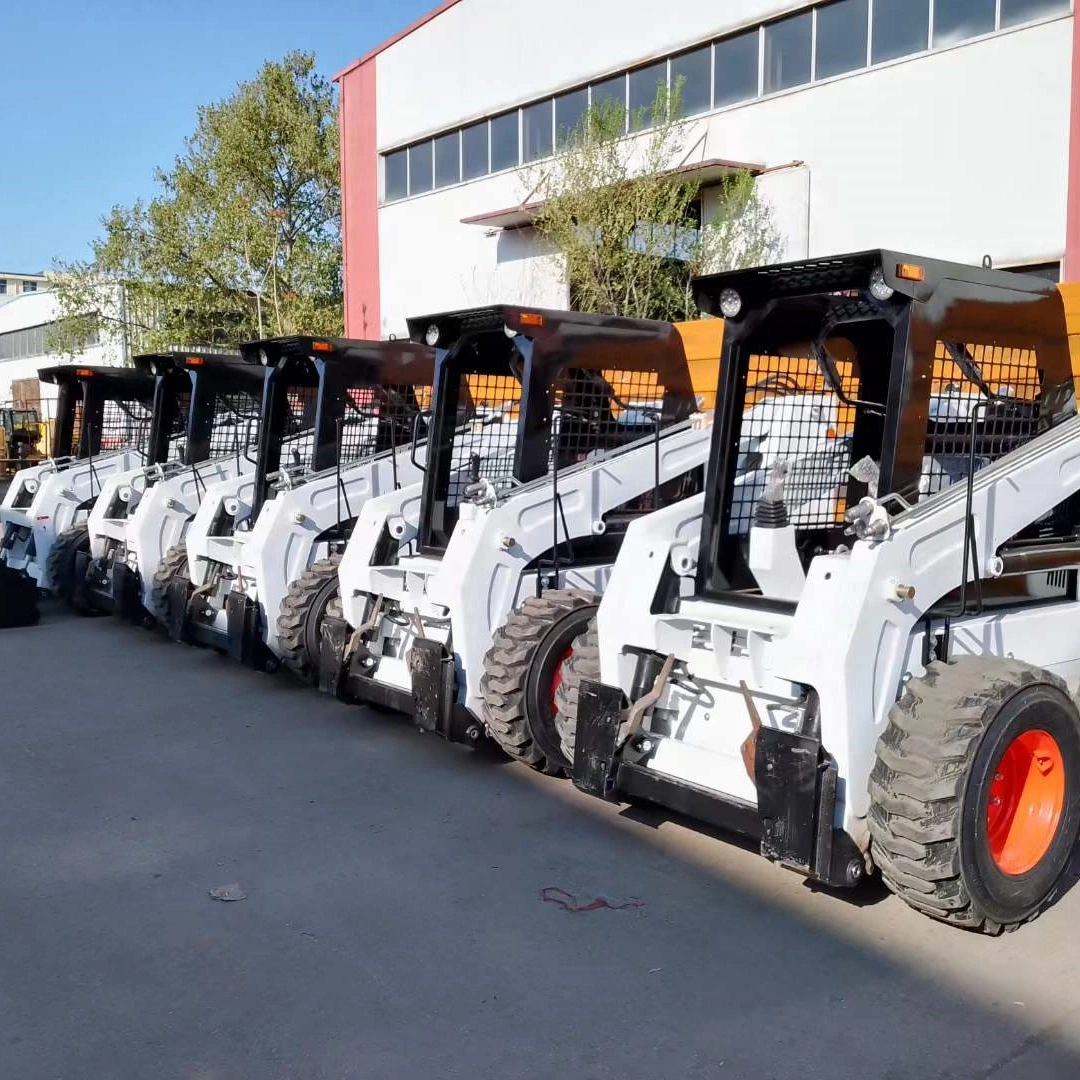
column 569, row 902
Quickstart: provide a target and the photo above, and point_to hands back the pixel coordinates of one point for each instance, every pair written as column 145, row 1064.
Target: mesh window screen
column 183, row 413
column 791, row 415
column 379, row 419
column 76, row 431
column 236, row 423
column 488, row 409
column 984, row 402
column 124, row 425
column 595, row 411
column 298, row 439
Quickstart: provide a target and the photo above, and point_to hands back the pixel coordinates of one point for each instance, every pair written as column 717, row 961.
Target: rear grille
column 791, row 415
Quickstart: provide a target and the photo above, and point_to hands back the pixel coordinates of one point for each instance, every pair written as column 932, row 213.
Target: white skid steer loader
column 204, row 428
column 550, row 431
column 342, row 422
column 883, row 680
column 102, row 427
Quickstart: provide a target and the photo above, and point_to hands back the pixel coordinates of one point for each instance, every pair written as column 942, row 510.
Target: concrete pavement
column 395, row 924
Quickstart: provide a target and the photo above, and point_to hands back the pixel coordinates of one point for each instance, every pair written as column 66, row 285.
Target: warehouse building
column 944, row 127
column 27, row 320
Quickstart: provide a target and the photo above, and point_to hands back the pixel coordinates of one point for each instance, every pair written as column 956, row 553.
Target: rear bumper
column 431, row 700
column 795, row 777
column 18, row 599
column 241, row 640
column 108, row 585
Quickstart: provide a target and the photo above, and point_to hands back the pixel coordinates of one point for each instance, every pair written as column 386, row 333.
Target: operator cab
column 523, row 394
column 870, row 374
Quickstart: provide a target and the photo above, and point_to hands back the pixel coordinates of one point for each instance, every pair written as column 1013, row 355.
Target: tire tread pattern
column 59, row 566
column 293, row 614
column 173, row 563
column 506, row 671
column 919, row 777
column 582, row 666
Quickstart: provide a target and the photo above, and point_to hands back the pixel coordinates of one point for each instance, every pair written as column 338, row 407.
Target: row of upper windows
column 819, row 43
column 32, row 341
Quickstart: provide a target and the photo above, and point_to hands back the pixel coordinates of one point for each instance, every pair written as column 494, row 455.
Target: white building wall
column 484, row 55
column 956, row 154
column 35, row 309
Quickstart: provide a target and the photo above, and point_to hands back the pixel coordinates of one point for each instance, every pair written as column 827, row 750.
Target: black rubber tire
column 931, row 781
column 300, row 617
column 583, row 665
column 518, row 672
column 174, row 564
column 60, row 565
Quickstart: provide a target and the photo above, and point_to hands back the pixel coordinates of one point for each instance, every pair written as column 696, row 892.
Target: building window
column 536, row 129
column 691, row 80
column 420, row 171
column 826, row 39
column 1014, row 12
column 505, row 152
column 645, row 85
column 396, row 175
column 841, row 38
column 736, row 63
column 787, row 53
column 3, row 286
column 900, row 28
column 23, row 344
column 958, row 20
column 474, row 151
column 570, row 112
column 29, row 286
column 447, row 160
column 610, row 96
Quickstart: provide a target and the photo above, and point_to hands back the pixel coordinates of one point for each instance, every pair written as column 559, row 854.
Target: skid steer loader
column 884, row 680
column 102, row 427
column 550, row 432
column 341, row 422
column 204, row 428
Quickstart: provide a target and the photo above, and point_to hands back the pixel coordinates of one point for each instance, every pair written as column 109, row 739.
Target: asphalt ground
column 410, row 908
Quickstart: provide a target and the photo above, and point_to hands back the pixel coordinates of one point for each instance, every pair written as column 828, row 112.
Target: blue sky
column 100, row 92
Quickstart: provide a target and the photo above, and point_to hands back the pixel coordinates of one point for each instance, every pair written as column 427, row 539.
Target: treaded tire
column 303, row 607
column 582, row 665
column 174, row 564
column 60, row 565
column 930, row 790
column 520, row 668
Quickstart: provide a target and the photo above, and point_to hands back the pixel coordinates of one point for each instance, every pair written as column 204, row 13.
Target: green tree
column 243, row 238
column 632, row 228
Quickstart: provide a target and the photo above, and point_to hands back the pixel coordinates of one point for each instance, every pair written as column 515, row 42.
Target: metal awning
column 705, row 172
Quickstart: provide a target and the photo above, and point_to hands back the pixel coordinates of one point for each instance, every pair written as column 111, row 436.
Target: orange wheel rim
column 1026, row 798
column 556, row 679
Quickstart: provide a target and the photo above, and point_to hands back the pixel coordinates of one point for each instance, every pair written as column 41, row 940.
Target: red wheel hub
column 1025, row 803
column 556, row 678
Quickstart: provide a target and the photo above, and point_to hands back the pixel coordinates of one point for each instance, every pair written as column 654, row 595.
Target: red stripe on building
column 360, row 202
column 1071, row 269
column 360, row 185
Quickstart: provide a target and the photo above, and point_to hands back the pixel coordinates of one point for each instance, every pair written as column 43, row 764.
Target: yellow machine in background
column 24, row 438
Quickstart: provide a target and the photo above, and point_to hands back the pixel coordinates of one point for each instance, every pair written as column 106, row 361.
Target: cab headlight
column 730, row 303
column 879, row 288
